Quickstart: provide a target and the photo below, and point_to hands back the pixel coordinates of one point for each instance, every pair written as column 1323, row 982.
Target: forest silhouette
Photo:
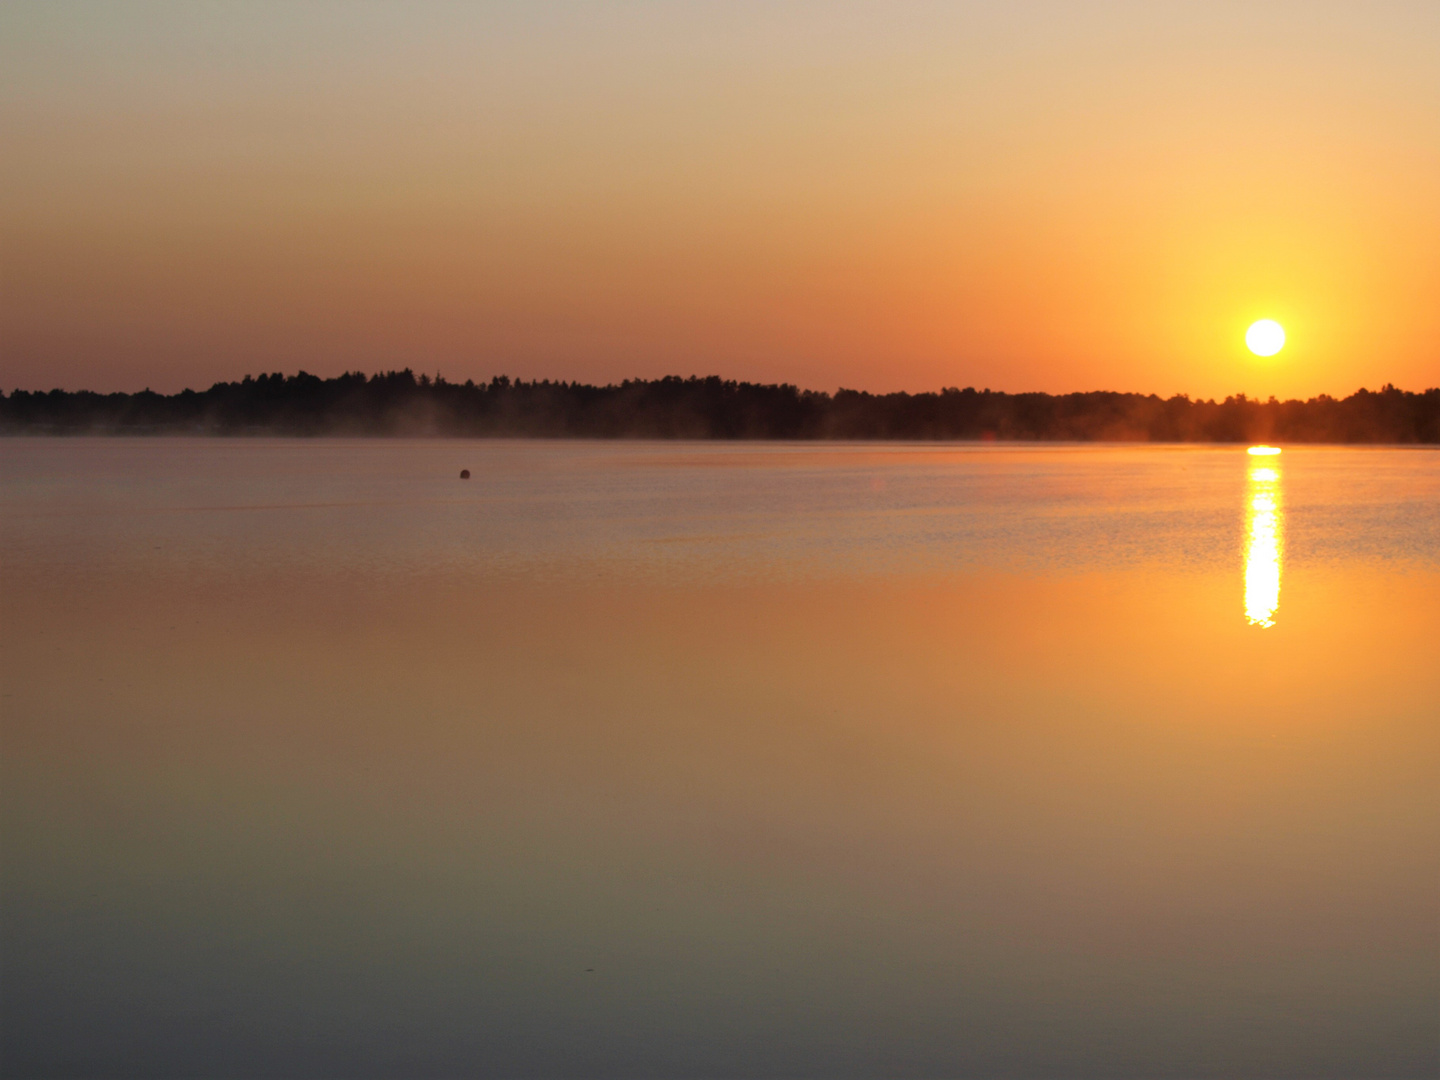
column 400, row 403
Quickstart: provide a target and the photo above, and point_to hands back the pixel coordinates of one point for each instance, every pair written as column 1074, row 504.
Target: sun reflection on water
column 1263, row 527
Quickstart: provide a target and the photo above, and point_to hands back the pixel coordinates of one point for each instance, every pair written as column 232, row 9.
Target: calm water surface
column 704, row 760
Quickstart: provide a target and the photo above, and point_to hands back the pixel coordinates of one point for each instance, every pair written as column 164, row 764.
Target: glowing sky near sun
column 1021, row 196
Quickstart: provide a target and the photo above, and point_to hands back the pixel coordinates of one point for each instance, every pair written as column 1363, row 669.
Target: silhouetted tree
column 400, row 403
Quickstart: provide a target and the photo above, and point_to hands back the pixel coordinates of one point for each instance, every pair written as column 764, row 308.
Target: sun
column 1265, row 338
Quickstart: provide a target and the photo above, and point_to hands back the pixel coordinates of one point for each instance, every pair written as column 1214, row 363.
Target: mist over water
column 626, row 759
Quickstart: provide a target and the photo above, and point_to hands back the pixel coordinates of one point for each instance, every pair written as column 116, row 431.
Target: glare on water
column 1264, row 523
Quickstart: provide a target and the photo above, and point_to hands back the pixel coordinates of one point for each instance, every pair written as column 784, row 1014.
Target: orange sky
column 1022, row 196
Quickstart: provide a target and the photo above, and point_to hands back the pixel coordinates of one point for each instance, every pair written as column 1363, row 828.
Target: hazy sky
column 1054, row 196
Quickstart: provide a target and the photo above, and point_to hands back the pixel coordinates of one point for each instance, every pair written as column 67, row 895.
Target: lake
column 718, row 760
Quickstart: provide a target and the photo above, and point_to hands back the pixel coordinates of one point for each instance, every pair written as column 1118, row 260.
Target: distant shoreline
column 400, row 404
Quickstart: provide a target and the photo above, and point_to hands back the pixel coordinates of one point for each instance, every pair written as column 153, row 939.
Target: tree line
column 401, row 403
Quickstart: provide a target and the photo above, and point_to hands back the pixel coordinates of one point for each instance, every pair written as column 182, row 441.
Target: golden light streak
column 1263, row 534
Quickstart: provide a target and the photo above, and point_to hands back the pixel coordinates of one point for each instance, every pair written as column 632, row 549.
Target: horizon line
column 503, row 380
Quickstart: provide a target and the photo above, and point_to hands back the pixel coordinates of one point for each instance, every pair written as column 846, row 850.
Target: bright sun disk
column 1265, row 338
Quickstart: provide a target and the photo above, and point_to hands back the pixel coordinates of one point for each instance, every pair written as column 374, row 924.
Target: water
column 718, row 760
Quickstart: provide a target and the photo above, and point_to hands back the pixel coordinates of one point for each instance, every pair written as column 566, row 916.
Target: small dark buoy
column 464, row 474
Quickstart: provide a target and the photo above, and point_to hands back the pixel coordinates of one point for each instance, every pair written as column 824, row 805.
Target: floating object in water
column 464, row 474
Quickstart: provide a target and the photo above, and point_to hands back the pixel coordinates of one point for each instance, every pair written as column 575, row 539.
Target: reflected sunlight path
column 1264, row 524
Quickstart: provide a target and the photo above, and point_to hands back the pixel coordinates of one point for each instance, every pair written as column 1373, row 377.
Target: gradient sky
column 1042, row 196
